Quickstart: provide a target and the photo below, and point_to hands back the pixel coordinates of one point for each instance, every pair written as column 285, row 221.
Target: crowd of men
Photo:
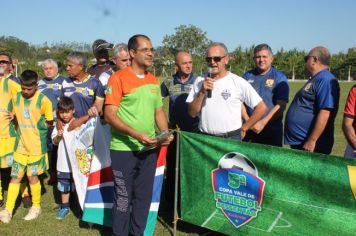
column 129, row 98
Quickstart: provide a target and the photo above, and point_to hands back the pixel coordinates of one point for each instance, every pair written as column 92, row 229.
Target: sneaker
column 5, row 216
column 62, row 213
column 2, row 202
column 27, row 201
column 33, row 213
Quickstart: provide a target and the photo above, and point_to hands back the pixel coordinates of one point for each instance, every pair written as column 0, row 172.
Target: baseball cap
column 101, row 44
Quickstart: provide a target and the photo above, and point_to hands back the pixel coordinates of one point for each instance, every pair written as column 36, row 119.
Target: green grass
column 48, row 225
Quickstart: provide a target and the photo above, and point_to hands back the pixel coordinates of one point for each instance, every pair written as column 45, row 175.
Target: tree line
column 186, row 37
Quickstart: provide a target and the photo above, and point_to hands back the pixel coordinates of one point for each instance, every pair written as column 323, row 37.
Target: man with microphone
column 220, row 113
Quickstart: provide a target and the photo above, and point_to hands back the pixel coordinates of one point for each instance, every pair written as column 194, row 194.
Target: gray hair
column 49, row 61
column 261, row 47
column 214, row 44
column 323, row 55
column 118, row 48
column 79, row 58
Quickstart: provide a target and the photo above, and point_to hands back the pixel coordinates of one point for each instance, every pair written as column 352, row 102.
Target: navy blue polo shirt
column 52, row 89
column 178, row 108
column 322, row 91
column 272, row 86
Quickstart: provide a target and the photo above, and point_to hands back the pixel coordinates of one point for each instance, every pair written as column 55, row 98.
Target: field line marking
column 209, row 218
column 275, row 222
column 309, row 205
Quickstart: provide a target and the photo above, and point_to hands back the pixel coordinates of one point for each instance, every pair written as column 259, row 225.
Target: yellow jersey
column 8, row 88
column 31, row 115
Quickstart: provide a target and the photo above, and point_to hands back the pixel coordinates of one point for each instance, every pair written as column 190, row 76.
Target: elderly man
column 272, row 86
column 310, row 118
column 349, row 124
column 133, row 105
column 121, row 59
column 51, row 86
column 220, row 113
column 101, row 52
column 86, row 92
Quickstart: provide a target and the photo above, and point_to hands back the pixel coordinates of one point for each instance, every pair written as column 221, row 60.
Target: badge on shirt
column 307, row 86
column 85, row 92
column 26, row 113
column 225, row 94
column 56, row 86
column 269, row 82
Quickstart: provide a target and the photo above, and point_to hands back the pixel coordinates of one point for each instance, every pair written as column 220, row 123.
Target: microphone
column 210, row 70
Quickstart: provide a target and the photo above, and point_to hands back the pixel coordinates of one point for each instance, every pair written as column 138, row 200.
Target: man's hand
column 208, row 84
column 145, row 140
column 75, row 124
column 309, row 145
column 167, row 141
column 258, row 127
column 9, row 115
column 93, row 112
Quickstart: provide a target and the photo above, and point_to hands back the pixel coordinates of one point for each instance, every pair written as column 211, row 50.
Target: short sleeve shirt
column 322, row 91
column 221, row 113
column 83, row 94
column 137, row 99
column 350, row 106
column 178, row 108
column 8, row 89
column 52, row 89
column 31, row 115
column 272, row 86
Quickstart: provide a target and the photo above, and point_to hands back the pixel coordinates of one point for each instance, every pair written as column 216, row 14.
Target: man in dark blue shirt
column 310, row 118
column 178, row 88
column 272, row 86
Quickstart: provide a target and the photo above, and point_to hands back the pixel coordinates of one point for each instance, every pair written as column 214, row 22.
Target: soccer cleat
column 62, row 213
column 33, row 213
column 5, row 216
column 27, row 201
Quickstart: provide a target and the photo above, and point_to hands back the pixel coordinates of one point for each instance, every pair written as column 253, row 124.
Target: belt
column 226, row 135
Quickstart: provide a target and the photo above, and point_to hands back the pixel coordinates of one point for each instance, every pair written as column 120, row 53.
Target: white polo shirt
column 221, row 113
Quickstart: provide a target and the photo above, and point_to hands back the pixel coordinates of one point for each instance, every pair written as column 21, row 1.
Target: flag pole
column 175, row 218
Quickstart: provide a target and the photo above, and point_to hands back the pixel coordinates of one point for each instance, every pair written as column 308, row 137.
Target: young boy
column 65, row 113
column 33, row 112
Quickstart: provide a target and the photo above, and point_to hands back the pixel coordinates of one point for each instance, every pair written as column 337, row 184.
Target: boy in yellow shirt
column 33, row 112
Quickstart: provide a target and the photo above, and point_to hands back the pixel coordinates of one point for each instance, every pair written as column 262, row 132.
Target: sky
column 287, row 24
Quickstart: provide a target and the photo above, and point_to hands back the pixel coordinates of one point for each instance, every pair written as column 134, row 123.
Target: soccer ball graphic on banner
column 238, row 161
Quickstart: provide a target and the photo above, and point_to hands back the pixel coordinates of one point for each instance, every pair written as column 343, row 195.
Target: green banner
column 242, row 188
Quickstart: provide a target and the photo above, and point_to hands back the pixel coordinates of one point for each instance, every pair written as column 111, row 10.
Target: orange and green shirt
column 137, row 99
column 8, row 88
column 31, row 115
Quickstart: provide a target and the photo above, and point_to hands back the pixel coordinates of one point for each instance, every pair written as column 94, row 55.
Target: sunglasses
column 4, row 62
column 306, row 58
column 215, row 59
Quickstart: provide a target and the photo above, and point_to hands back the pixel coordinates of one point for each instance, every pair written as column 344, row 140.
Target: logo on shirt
column 108, row 90
column 85, row 92
column 307, row 86
column 225, row 94
column 269, row 82
column 56, row 86
column 26, row 113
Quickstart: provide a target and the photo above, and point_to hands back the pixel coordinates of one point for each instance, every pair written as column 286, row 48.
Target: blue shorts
column 65, row 182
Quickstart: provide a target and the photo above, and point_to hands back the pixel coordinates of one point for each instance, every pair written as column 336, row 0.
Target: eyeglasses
column 146, row 50
column 215, row 59
column 4, row 62
column 306, row 58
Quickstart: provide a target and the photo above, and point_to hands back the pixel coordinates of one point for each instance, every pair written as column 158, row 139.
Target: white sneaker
column 5, row 216
column 33, row 213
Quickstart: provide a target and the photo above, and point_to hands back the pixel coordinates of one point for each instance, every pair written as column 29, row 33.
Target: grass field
column 48, row 225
